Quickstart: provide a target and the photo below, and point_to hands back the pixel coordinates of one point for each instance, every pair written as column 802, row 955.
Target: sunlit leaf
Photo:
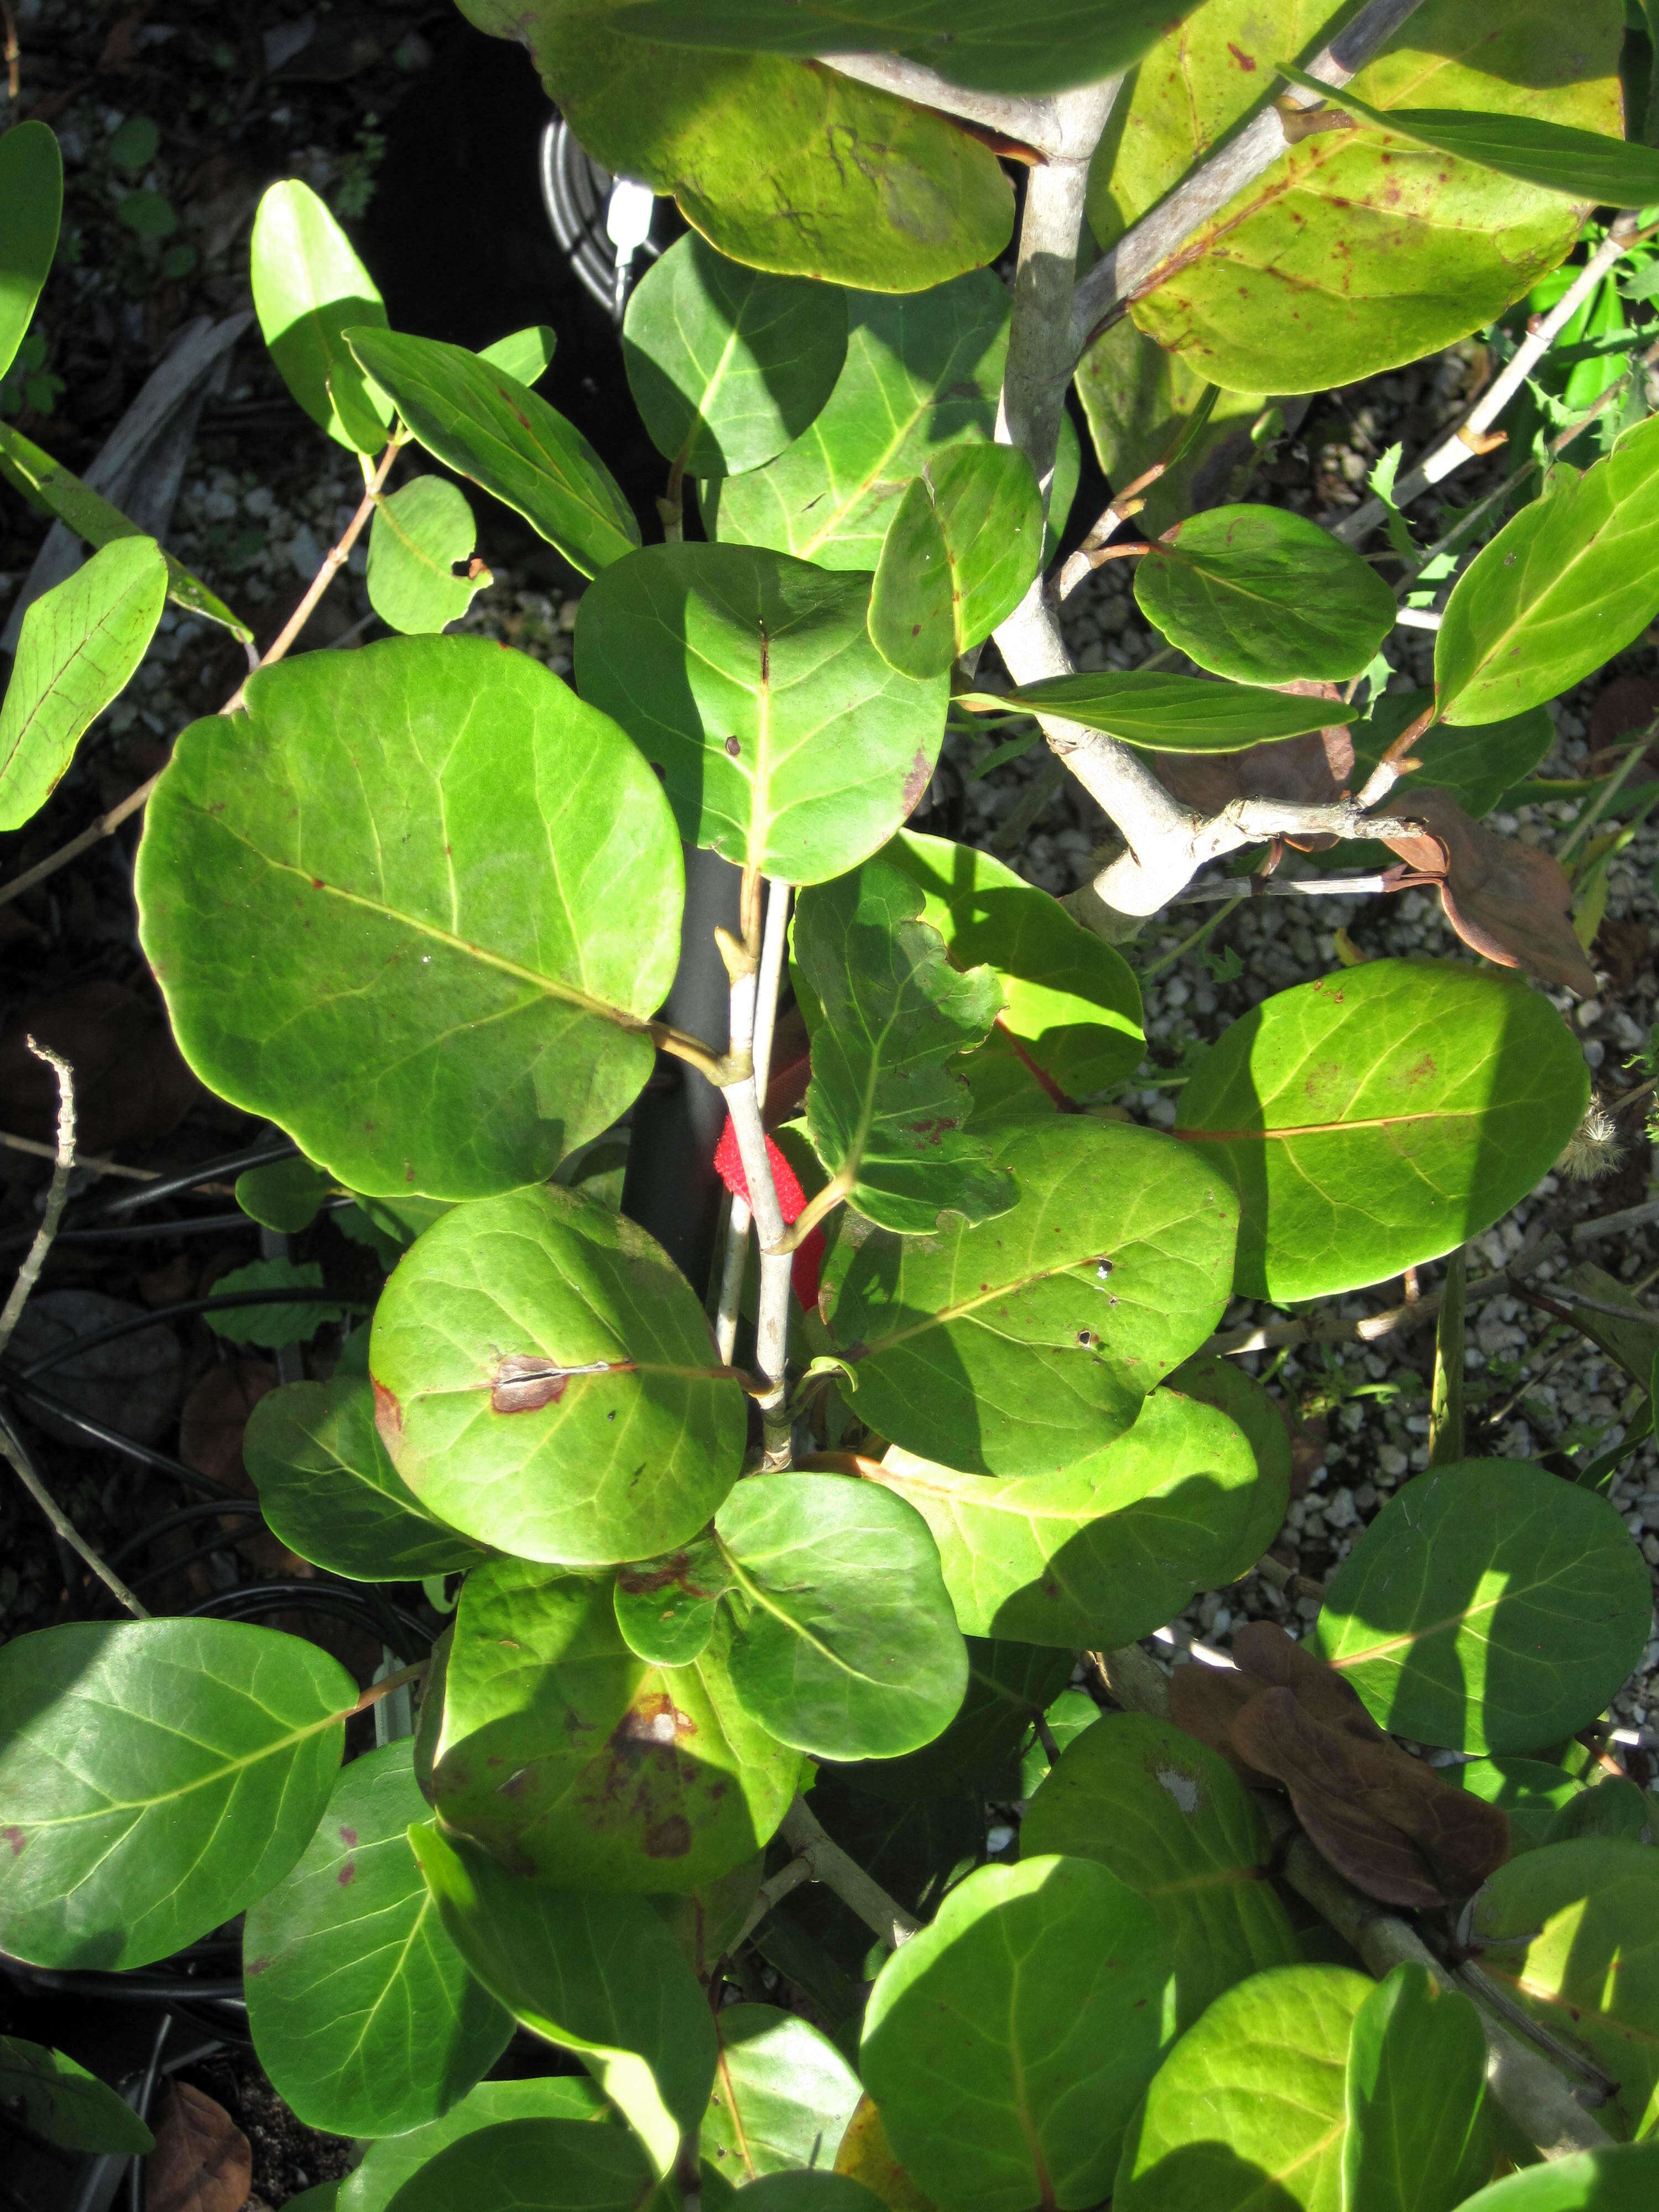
column 416, row 540
column 309, row 288
column 388, row 2162
column 1419, row 2133
column 31, row 201
column 783, row 2095
column 959, row 555
column 1622, row 2179
column 1172, row 714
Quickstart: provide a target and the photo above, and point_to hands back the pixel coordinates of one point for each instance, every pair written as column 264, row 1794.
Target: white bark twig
column 56, row 1194
column 1031, row 121
column 1471, row 438
column 831, row 1866
column 1287, row 887
column 774, row 939
column 1138, row 262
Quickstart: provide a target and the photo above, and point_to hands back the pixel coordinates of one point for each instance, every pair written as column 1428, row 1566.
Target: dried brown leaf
column 1506, row 900
column 1310, row 771
column 201, row 2161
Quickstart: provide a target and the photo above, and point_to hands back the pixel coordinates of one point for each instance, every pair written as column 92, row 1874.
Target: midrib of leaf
column 901, row 430
column 759, row 1597
column 549, row 986
column 202, row 1782
column 714, row 378
column 386, row 513
column 737, row 2128
column 1463, row 1618
column 55, row 682
column 1324, row 1128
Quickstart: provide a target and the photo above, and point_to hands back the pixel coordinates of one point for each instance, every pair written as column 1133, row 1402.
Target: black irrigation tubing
column 254, row 1156
column 228, row 1301
column 32, row 1394
column 138, row 1987
column 345, row 1600
column 151, row 1231
column 178, row 1519
column 223, row 1542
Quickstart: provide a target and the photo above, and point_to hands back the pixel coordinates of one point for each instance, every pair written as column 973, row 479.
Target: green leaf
column 754, row 151
column 330, row 1493
column 1573, row 1937
column 272, row 1325
column 1620, row 2180
column 727, row 365
column 1172, row 713
column 1477, row 765
column 289, row 1195
column 487, row 425
column 1246, row 2112
column 1378, row 1118
column 1217, row 1381
column 533, row 2166
column 523, row 354
column 427, row 836
column 1009, row 1687
column 1264, row 595
column 1489, row 1607
column 814, row 2191
column 417, row 537
column 156, row 1776
column 617, row 1775
column 76, row 652
column 786, row 741
column 1140, row 400
column 546, row 1381
column 1009, row 2041
column 147, row 215
column 1016, row 1347
column 999, row 44
column 91, row 516
column 1102, row 1553
column 1072, row 1712
column 844, row 1641
column 361, row 2009
column 960, row 554
column 922, row 375
column 665, row 1607
column 1174, row 1821
column 1617, row 1809
column 782, row 2097
column 1583, row 165
column 389, row 2161
column 54, row 2098
column 1418, row 2135
column 1351, row 253
column 309, row 289
column 1072, row 1006
column 887, row 1012
column 134, row 145
column 1568, row 581
column 599, row 1976
column 1530, row 1791
column 31, row 204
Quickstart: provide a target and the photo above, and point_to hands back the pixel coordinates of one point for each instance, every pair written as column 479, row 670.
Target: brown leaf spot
column 733, row 748
column 16, row 1837
column 524, row 1386
column 388, row 1413
column 670, row 1838
column 348, row 1838
column 1246, row 62
column 916, row 784
column 348, row 1873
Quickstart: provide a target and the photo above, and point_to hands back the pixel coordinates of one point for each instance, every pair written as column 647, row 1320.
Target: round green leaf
column 488, row 426
column 1222, row 1383
column 922, row 374
column 1620, row 2180
column 888, row 1014
column 330, row 1493
column 1020, row 1344
column 784, row 740
column 1000, row 45
column 783, row 2095
column 1264, row 595
column 1419, row 2129
column 1174, row 1821
column 545, row 1380
column 309, row 288
column 1574, row 1935
column 54, row 2098
column 393, row 846
column 1102, row 1553
column 1248, row 2109
column 533, row 2166
column 1568, row 581
column 959, row 555
column 155, row 1777
column 1379, row 1117
column 754, row 151
column 1354, row 250
column 77, row 651
column 31, row 201
column 1172, row 714
column 289, row 1195
column 727, row 364
column 1009, row 2041
column 575, row 1761
column 845, row 1643
column 359, row 2007
column 1072, row 1006
column 1489, row 1607
column 665, row 1607
column 390, row 2160
column 417, row 537
column 600, row 1976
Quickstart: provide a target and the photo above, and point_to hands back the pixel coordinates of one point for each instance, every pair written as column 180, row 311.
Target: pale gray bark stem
column 772, row 1324
column 56, row 1191
column 832, row 1867
column 1523, row 2082
column 1032, row 122
column 774, row 943
column 1130, row 267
